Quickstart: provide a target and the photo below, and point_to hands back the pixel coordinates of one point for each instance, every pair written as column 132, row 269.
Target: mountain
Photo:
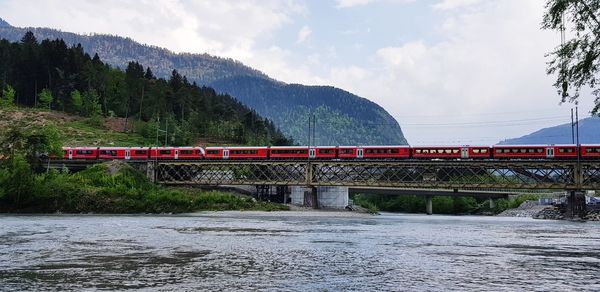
column 341, row 117
column 589, row 133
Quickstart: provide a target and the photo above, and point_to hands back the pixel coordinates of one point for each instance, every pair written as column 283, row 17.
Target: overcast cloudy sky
column 450, row 71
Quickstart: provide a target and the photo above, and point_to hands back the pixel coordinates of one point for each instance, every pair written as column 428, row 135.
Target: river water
column 297, row 251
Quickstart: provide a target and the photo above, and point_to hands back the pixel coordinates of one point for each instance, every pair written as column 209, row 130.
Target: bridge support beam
column 429, row 205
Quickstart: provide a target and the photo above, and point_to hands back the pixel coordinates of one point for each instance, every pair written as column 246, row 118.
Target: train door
column 550, row 152
column 360, row 153
column 225, row 153
column 312, row 153
column 176, row 153
column 464, row 152
column 70, row 154
column 127, row 154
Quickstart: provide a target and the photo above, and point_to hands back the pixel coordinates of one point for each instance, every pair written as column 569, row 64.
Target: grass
column 75, row 130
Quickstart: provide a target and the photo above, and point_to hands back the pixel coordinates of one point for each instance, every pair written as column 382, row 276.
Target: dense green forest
column 51, row 75
column 342, row 117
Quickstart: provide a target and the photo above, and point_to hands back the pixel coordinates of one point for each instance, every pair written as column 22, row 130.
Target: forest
column 53, row 76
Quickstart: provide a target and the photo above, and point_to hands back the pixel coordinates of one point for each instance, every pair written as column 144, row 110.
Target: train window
column 484, row 150
column 325, row 151
column 140, row 152
column 475, row 150
column 570, row 150
column 561, row 150
column 212, row 152
column 523, row 150
column 540, row 150
column 346, row 151
column 395, row 150
column 244, row 152
column 426, row 151
column 530, row 150
column 186, row 152
column 454, row 151
column 198, row 152
column 418, row 151
column 165, row 151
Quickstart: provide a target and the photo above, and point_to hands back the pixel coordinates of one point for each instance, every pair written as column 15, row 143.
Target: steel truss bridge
column 465, row 174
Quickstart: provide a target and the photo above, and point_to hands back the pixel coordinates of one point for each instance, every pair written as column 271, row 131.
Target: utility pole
column 572, row 128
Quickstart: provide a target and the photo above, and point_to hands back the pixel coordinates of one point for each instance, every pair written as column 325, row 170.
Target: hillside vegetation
column 52, row 76
column 342, row 117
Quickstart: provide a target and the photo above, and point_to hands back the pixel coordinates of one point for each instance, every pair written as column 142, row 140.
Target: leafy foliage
column 577, row 61
column 96, row 189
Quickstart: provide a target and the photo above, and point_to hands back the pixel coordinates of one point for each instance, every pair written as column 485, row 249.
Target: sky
column 449, row 71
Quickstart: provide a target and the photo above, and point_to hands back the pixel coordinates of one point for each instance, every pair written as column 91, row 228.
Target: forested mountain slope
column 51, row 75
column 342, row 117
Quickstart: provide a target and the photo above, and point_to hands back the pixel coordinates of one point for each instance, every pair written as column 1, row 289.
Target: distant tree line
column 51, row 75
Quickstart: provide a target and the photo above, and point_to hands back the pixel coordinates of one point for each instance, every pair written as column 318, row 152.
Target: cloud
column 489, row 66
column 303, row 34
column 454, row 4
column 228, row 28
column 353, row 3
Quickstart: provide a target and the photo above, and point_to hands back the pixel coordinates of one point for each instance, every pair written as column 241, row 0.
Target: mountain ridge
column 230, row 76
column 589, row 133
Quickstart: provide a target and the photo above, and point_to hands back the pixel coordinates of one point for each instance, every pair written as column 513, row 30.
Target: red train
column 334, row 152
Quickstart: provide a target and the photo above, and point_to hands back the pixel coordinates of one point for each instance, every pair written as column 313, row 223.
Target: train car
column 590, row 151
column 167, row 153
column 535, row 151
column 138, row 153
column 451, row 152
column 291, row 152
column 325, row 152
column 374, row 152
column 384, row 152
column 111, row 153
column 189, row 153
column 80, row 153
column 241, row 152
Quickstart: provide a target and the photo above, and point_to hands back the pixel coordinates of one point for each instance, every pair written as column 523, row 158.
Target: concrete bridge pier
column 576, row 207
column 315, row 198
column 492, row 203
column 429, row 205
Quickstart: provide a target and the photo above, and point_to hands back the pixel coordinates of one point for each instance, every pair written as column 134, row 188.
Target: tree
column 76, row 101
column 45, row 98
column 577, row 61
column 8, row 97
column 91, row 105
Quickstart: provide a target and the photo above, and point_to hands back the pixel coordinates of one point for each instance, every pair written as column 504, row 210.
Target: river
column 296, row 251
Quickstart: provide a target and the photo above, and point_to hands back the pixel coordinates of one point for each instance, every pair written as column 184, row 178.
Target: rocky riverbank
column 526, row 209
